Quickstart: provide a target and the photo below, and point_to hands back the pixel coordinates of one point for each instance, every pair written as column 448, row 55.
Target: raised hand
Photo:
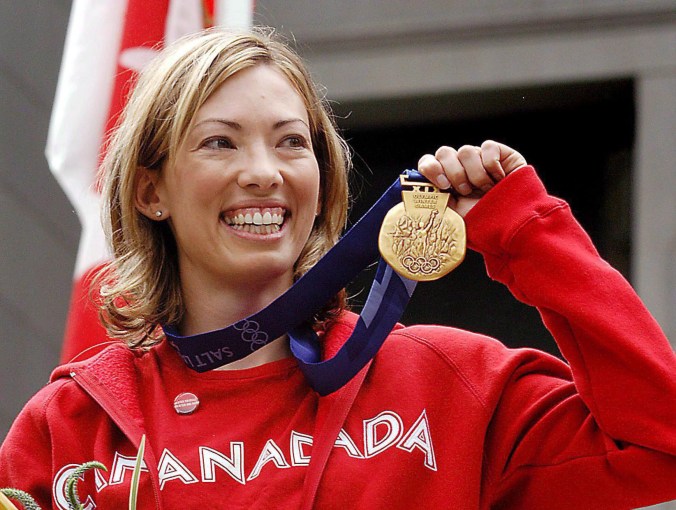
column 470, row 171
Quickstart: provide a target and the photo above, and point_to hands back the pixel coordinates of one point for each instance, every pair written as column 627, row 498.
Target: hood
column 110, row 378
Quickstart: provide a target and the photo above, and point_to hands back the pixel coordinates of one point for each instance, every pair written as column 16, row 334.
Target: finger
column 453, row 169
column 510, row 159
column 431, row 168
column 490, row 157
column 470, row 157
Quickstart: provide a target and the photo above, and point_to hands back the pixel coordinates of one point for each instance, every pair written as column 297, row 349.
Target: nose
column 260, row 171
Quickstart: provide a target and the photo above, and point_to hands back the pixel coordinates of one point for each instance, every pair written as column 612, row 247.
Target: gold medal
column 421, row 238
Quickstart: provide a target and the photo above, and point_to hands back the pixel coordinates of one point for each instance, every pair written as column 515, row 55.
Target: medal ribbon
column 292, row 312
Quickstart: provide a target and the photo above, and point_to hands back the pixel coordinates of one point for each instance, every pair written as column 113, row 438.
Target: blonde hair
column 140, row 289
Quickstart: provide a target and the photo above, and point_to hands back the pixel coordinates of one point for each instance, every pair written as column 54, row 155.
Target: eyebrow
column 283, row 123
column 238, row 126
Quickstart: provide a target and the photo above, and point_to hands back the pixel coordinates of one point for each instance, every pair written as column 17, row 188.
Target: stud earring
column 158, row 214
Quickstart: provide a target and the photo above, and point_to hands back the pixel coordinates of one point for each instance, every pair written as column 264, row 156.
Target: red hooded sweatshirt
column 444, row 418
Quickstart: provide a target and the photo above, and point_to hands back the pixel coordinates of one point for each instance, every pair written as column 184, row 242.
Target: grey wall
column 38, row 229
column 362, row 51
column 379, row 50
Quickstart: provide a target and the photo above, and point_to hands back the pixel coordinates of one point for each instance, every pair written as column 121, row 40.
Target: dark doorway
column 578, row 136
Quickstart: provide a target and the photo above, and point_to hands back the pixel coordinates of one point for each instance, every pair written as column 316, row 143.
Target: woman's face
column 244, row 190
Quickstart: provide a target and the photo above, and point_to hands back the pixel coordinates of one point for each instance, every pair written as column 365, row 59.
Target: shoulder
column 38, row 405
column 432, row 355
column 463, row 352
column 472, row 352
column 427, row 343
column 61, row 385
column 444, row 342
column 48, row 409
column 483, row 366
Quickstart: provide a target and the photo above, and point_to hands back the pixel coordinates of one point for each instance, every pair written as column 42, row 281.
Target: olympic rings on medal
column 418, row 265
column 251, row 333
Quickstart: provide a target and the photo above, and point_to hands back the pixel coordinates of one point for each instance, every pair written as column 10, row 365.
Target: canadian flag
column 106, row 44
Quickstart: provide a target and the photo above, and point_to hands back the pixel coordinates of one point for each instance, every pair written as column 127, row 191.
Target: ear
column 147, row 198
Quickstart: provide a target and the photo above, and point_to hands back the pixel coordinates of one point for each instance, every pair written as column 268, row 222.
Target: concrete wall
column 397, row 49
column 361, row 51
column 39, row 231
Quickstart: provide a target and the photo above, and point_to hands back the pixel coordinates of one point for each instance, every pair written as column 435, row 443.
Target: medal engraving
column 421, row 238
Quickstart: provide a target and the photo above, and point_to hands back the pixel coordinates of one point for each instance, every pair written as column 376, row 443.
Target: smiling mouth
column 254, row 220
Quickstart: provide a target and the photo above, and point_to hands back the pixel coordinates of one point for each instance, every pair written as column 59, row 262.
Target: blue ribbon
column 386, row 302
column 292, row 312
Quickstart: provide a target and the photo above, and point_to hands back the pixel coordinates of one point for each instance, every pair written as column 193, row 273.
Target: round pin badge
column 186, row 403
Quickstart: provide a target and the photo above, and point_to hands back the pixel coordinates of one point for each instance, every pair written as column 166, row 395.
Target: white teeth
column 247, row 221
column 258, row 229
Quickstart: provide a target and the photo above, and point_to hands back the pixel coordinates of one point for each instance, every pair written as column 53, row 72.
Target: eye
column 218, row 142
column 295, row 142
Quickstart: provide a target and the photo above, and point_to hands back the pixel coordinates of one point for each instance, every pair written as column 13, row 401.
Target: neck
column 209, row 308
column 273, row 351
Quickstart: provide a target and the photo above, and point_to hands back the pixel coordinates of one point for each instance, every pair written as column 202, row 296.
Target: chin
column 268, row 270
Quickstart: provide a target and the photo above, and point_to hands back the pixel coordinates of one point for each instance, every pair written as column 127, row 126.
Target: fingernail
column 443, row 182
column 464, row 189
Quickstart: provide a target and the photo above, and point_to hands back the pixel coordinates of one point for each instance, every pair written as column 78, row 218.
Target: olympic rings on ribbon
column 251, row 333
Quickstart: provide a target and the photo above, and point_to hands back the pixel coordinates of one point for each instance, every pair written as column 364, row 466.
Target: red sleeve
column 607, row 440
column 26, row 452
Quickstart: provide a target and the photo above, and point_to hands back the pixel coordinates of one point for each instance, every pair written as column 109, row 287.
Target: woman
column 226, row 181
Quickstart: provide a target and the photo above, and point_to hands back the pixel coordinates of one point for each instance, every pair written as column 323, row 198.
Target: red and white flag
column 106, row 44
